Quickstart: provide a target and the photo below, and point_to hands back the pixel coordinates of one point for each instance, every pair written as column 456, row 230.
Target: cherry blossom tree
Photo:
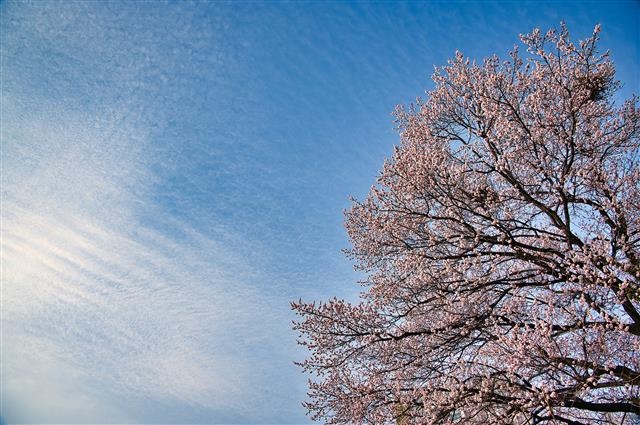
column 501, row 246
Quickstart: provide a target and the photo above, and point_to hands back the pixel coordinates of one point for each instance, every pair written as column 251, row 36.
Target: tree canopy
column 501, row 245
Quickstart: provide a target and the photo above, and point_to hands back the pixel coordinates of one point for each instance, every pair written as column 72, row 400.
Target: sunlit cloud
column 95, row 302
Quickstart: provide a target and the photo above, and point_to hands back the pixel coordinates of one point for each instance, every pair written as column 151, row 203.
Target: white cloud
column 102, row 311
column 38, row 387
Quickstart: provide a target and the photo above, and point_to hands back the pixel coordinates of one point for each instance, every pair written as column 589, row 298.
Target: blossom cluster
column 502, row 248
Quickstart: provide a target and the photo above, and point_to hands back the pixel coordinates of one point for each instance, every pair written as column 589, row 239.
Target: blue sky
column 174, row 173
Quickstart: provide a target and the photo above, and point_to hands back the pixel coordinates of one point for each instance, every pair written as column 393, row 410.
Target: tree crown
column 501, row 244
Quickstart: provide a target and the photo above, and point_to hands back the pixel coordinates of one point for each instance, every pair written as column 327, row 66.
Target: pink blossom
column 502, row 247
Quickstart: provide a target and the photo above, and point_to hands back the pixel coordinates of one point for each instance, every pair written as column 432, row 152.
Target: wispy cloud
column 113, row 307
column 99, row 308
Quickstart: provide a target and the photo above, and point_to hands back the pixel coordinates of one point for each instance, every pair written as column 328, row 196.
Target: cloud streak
column 102, row 310
column 114, row 307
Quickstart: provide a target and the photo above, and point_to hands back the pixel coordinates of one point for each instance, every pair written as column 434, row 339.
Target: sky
column 173, row 174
